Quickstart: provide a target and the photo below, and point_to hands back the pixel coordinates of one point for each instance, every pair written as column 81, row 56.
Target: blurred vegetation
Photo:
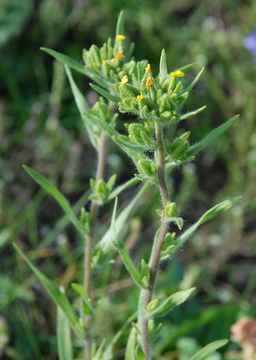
column 40, row 126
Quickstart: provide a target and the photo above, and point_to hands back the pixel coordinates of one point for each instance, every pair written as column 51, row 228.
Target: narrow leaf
column 174, row 300
column 120, row 247
column 122, row 220
column 195, row 81
column 66, row 60
column 106, row 94
column 130, row 352
column 211, row 136
column 163, row 66
column 209, row 350
column 215, row 210
column 125, row 142
column 122, row 187
column 55, row 193
column 58, row 297
column 119, row 26
column 192, row 113
column 73, row 64
column 82, row 108
column 63, row 337
column 81, row 291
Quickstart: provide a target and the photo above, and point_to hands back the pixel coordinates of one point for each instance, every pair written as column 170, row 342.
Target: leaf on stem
column 195, row 81
column 63, row 337
column 82, row 108
column 192, row 113
column 120, row 247
column 209, row 349
column 130, row 352
column 58, row 297
column 106, row 94
column 172, row 301
column 56, row 194
column 163, row 66
column 215, row 210
column 211, row 136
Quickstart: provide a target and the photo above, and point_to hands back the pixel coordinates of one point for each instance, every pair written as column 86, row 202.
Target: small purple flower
column 250, row 44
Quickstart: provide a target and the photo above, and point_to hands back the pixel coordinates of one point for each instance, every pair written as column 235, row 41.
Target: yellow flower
column 147, row 68
column 120, row 37
column 124, row 80
column 104, row 62
column 150, row 81
column 177, row 73
column 112, row 60
column 140, row 97
column 119, row 55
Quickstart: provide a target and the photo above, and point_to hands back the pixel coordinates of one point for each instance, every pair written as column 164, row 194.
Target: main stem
column 89, row 242
column 156, row 249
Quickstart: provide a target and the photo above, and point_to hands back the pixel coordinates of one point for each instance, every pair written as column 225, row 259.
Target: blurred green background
column 40, row 126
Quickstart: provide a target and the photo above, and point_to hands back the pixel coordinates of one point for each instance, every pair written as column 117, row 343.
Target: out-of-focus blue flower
column 250, row 44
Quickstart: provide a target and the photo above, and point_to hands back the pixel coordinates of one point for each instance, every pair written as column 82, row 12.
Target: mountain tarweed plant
column 156, row 101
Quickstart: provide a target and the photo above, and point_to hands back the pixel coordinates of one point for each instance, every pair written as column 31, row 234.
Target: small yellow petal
column 120, row 37
column 177, row 73
column 147, row 68
column 104, row 62
column 150, row 81
column 140, row 97
column 124, row 80
column 112, row 60
column 119, row 55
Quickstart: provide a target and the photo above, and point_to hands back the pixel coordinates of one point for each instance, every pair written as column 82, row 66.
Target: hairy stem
column 146, row 297
column 89, row 243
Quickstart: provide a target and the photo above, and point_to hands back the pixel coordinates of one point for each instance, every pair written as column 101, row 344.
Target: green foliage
column 152, row 99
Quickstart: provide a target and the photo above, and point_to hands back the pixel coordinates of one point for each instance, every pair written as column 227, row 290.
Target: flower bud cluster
column 148, row 97
column 178, row 150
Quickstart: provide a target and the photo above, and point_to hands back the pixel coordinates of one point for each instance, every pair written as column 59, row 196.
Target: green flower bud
column 147, row 167
column 171, row 210
column 152, row 305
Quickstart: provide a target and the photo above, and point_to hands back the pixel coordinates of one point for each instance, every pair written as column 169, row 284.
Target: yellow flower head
column 124, row 80
column 177, row 73
column 104, row 62
column 120, row 37
column 119, row 55
column 150, row 81
column 147, row 68
column 140, row 97
column 112, row 60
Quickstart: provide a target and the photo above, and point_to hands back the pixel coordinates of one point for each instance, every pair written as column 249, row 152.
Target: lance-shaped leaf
column 211, row 136
column 130, row 351
column 106, row 94
column 56, row 194
column 81, row 291
column 195, row 81
column 58, row 297
column 73, row 64
column 215, row 210
column 186, row 67
column 209, row 349
column 121, row 223
column 163, row 66
column 125, row 142
column 113, row 134
column 192, row 113
column 120, row 247
column 118, row 335
column 63, row 337
column 122, row 187
column 119, row 27
column 174, row 300
column 82, row 108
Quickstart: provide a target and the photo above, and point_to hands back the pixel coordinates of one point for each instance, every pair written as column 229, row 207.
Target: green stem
column 146, row 295
column 89, row 242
